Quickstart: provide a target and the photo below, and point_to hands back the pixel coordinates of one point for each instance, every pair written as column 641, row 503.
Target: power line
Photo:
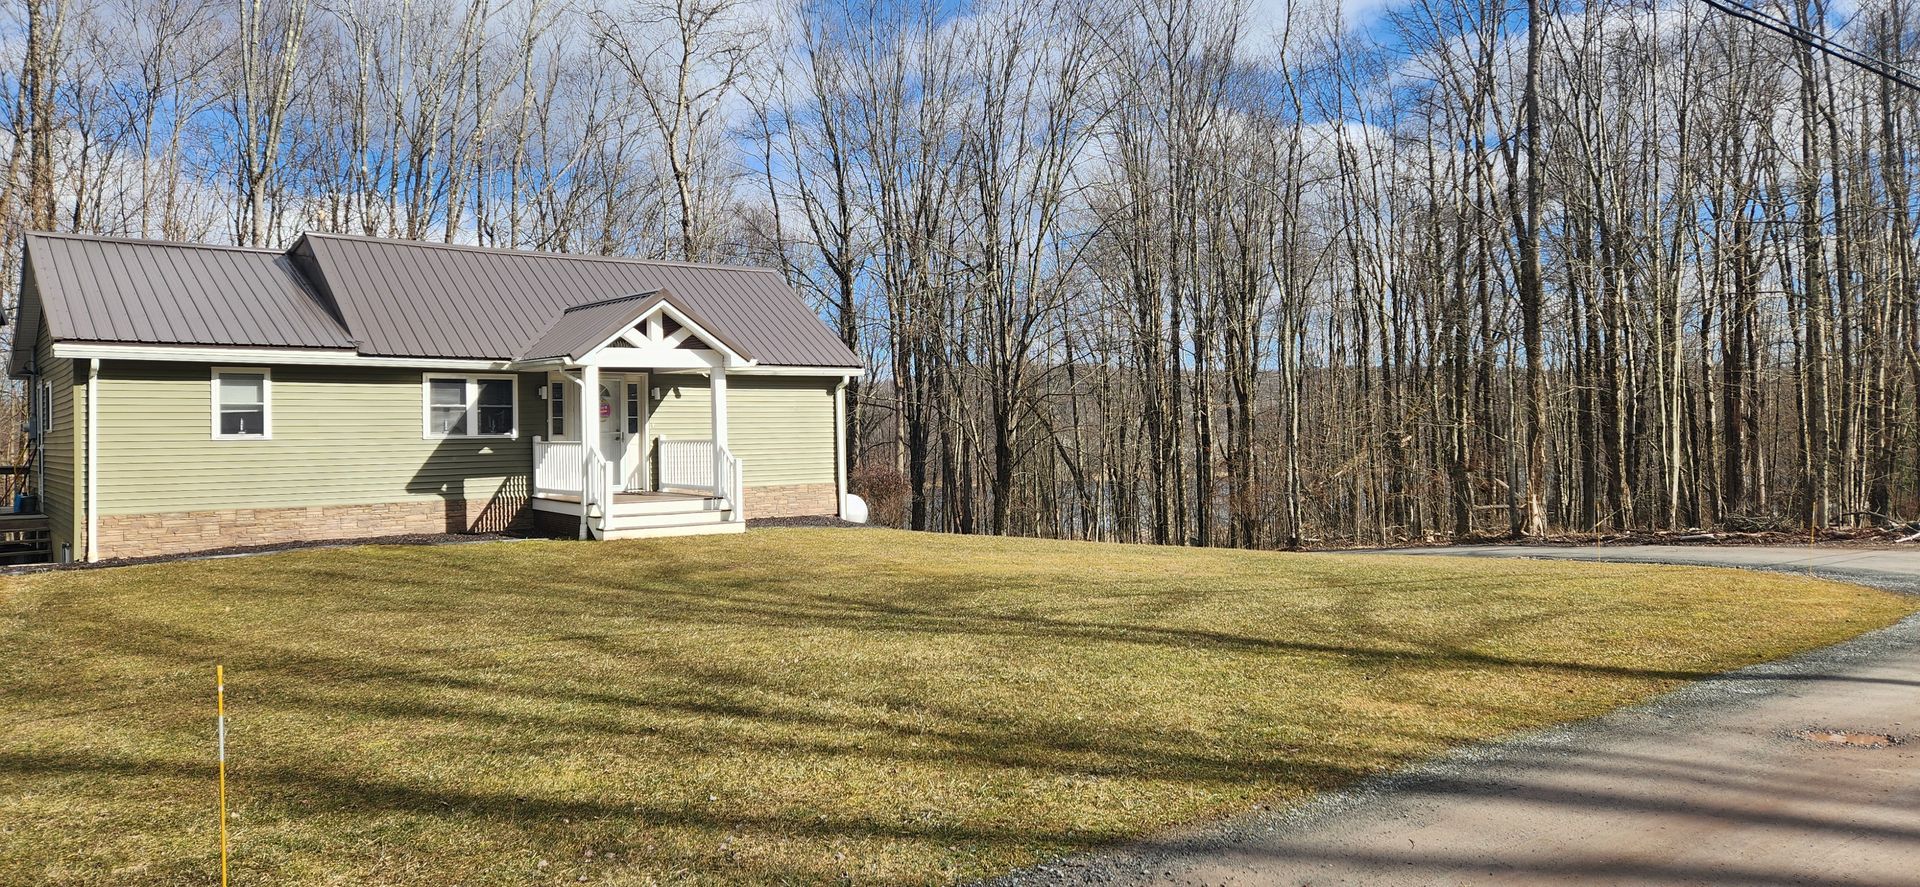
column 1801, row 35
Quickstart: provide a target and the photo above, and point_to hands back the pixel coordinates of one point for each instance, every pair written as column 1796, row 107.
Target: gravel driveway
column 1771, row 775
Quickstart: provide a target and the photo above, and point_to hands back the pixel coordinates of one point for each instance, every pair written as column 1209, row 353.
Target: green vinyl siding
column 340, row 436
column 681, row 412
column 781, row 428
column 61, row 449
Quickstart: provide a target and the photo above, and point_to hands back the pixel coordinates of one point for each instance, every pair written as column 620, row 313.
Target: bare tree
column 685, row 58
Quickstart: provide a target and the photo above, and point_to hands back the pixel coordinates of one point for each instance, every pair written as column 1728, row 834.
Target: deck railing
column 567, row 469
column 686, row 465
column 697, row 465
column 558, row 466
column 596, row 499
column 24, row 539
column 735, row 474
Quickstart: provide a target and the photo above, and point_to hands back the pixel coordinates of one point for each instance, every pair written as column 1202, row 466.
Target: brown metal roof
column 582, row 328
column 102, row 289
column 405, row 298
column 393, row 297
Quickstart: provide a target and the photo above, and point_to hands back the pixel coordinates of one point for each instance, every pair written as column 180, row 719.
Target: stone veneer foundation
column 181, row 532
column 792, row 500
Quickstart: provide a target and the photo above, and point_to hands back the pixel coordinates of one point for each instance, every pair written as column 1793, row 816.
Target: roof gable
column 99, row 289
column 26, row 334
column 583, row 330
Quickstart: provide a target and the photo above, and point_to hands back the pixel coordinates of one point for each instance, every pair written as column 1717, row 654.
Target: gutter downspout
column 41, row 407
column 93, row 459
column 840, row 446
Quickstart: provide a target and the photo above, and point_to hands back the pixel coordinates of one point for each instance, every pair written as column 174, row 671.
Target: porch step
column 652, row 531
column 623, row 519
column 674, row 505
column 683, row 516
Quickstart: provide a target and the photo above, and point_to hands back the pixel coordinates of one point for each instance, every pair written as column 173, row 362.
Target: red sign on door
column 606, row 410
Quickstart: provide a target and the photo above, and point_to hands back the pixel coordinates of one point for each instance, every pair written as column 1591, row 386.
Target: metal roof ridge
column 542, row 254
column 608, row 301
column 149, row 241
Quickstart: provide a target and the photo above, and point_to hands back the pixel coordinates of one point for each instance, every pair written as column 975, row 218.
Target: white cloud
column 1267, row 19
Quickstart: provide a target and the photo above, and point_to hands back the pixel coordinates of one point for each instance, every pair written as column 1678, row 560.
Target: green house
column 188, row 397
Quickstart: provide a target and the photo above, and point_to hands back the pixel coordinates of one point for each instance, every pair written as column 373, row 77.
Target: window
column 556, row 411
column 44, row 418
column 242, row 403
column 633, row 408
column 496, row 406
column 447, row 407
column 470, row 406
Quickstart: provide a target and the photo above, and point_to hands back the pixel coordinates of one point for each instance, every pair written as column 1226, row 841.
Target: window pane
column 496, row 392
column 556, row 411
column 496, row 420
column 633, row 409
column 495, row 405
column 243, row 421
column 448, row 420
column 448, row 392
column 242, row 389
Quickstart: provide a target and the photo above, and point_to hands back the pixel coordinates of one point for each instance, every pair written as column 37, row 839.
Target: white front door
column 613, row 425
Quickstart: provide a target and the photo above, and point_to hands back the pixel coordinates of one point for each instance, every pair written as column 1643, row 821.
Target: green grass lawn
column 790, row 705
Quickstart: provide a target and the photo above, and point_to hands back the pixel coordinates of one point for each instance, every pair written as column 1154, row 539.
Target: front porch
column 601, row 461
column 634, row 515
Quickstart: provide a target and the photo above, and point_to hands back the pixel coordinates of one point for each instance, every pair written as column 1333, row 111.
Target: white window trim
column 266, row 401
column 473, row 406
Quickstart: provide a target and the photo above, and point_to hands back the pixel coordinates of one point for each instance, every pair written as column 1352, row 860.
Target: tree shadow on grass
column 658, row 593
column 686, row 591
column 615, row 614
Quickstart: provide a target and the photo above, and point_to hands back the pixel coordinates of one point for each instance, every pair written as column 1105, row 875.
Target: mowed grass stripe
column 794, row 705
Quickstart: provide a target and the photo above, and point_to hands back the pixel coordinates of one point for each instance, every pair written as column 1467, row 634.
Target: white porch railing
column 697, row 465
column 733, row 490
column 596, row 498
column 565, row 468
column 686, row 464
column 558, row 466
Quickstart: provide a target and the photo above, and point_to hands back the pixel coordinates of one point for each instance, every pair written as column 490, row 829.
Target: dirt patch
column 1848, row 738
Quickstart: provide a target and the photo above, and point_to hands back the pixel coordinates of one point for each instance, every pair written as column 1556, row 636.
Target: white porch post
column 840, row 448
column 717, row 382
column 589, row 435
column 590, row 407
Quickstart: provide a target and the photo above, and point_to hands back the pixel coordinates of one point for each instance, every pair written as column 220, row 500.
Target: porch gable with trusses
column 645, row 331
column 641, row 331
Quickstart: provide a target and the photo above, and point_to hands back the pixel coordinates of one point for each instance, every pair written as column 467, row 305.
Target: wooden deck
column 23, row 539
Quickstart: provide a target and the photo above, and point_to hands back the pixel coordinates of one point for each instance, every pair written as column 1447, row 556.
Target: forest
column 1203, row 272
